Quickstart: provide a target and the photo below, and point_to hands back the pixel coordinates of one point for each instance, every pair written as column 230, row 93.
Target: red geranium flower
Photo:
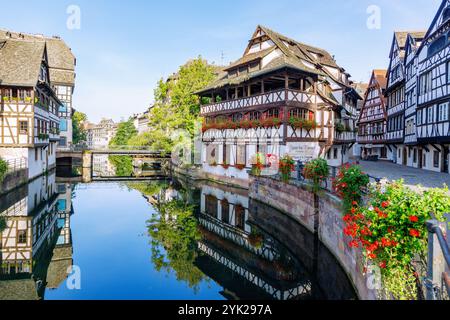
column 383, row 265
column 414, row 219
column 414, row 233
column 372, row 256
column 385, row 204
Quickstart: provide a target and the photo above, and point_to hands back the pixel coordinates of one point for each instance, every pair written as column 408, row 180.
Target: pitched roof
column 381, row 77
column 61, row 60
column 295, row 55
column 20, row 62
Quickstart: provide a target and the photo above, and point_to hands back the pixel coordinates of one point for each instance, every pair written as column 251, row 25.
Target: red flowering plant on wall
column 286, row 166
column 350, row 185
column 270, row 122
column 391, row 232
column 317, row 171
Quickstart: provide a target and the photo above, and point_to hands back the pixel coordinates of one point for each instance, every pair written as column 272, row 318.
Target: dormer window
column 437, row 45
column 446, row 14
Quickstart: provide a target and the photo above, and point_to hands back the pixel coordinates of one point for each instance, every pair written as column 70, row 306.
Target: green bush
column 3, row 168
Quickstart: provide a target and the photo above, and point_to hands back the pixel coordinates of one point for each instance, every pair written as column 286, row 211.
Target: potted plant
column 258, row 164
column 286, row 167
column 225, row 165
column 317, row 171
column 240, row 166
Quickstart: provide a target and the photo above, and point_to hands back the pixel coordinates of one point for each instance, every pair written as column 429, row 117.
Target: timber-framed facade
column 372, row 121
column 29, row 106
column 282, row 97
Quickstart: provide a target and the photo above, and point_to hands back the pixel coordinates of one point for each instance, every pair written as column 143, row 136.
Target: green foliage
column 317, row 171
column 176, row 105
column 125, row 131
column 351, row 184
column 391, row 231
column 79, row 134
column 286, row 167
column 123, row 165
column 3, row 168
column 175, row 236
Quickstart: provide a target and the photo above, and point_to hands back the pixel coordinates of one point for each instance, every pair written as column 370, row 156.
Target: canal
column 161, row 239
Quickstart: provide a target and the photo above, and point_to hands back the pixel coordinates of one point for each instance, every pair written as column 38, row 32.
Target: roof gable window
column 446, row 14
column 437, row 45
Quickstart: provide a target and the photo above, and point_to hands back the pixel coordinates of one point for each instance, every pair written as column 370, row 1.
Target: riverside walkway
column 412, row 176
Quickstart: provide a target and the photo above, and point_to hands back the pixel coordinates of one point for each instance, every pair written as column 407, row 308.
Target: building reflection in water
column 35, row 238
column 247, row 262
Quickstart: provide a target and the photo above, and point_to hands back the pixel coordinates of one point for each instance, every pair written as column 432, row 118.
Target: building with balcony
column 141, row 121
column 433, row 88
column 282, row 97
column 61, row 63
column 29, row 106
column 395, row 94
column 373, row 118
column 103, row 133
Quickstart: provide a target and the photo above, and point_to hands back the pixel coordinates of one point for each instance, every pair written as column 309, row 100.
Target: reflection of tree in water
column 2, row 223
column 174, row 232
column 123, row 165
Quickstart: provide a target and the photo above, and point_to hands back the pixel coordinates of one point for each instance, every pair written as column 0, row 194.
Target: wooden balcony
column 345, row 137
column 371, row 139
column 265, row 99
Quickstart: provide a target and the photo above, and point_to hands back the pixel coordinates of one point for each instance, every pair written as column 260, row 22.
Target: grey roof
column 20, row 62
column 61, row 60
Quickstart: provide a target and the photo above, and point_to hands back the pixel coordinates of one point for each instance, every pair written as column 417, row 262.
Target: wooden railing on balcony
column 348, row 136
column 267, row 98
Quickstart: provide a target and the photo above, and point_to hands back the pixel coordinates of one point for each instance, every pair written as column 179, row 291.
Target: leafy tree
column 78, row 133
column 125, row 131
column 123, row 165
column 3, row 168
column 176, row 105
column 175, row 235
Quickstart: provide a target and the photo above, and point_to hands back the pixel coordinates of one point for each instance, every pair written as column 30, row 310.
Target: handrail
column 434, row 229
column 16, row 164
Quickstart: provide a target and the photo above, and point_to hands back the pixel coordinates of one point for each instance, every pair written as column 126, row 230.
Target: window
column 436, row 160
column 63, row 125
column 302, row 114
column 425, row 83
column 430, row 118
column 211, row 206
column 419, row 117
column 255, row 115
column 443, row 112
column 415, row 156
column 22, row 237
column 63, row 142
column 335, row 153
column 273, row 113
column 237, row 117
column 241, row 155
column 225, row 211
column 437, row 45
column 36, row 154
column 448, row 72
column 240, row 216
column 23, row 127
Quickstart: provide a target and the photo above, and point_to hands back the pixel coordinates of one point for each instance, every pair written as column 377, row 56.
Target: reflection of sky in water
column 112, row 247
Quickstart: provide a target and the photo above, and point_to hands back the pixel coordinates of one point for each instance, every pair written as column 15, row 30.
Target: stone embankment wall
column 13, row 180
column 297, row 202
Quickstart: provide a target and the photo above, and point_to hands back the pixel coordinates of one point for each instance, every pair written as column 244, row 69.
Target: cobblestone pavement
column 413, row 177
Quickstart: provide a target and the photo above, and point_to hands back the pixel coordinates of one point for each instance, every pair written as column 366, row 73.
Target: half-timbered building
column 282, row 97
column 395, row 94
column 61, row 63
column 29, row 106
column 373, row 118
column 432, row 116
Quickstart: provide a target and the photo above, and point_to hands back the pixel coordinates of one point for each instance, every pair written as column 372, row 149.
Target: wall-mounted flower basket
column 240, row 166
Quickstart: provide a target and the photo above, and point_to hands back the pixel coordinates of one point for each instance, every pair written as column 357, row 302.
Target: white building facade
column 29, row 122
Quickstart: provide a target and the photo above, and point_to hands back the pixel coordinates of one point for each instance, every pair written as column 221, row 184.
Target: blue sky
column 124, row 48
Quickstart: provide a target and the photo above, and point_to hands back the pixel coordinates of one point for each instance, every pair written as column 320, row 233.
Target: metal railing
column 437, row 282
column 328, row 184
column 16, row 164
